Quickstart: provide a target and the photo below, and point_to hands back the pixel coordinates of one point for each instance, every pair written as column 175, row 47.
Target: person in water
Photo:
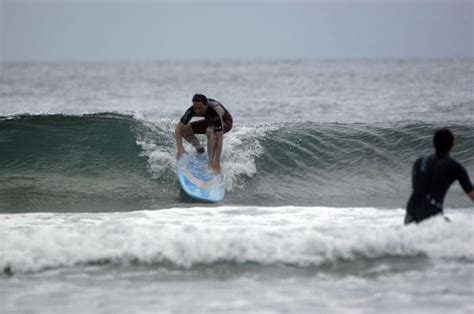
column 432, row 176
column 217, row 121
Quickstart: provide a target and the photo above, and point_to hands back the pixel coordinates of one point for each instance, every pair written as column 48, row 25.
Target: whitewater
column 317, row 170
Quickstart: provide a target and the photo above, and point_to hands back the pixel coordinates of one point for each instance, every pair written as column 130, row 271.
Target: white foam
column 155, row 141
column 185, row 237
column 241, row 148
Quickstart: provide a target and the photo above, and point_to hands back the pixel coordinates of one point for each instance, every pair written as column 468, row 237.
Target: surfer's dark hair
column 443, row 140
column 200, row 98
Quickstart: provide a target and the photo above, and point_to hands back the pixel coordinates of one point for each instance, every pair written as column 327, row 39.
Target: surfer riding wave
column 217, row 121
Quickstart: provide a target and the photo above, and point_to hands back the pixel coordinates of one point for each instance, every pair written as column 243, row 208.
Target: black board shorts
column 200, row 126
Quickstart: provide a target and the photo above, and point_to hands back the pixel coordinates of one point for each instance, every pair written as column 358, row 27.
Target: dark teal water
column 109, row 161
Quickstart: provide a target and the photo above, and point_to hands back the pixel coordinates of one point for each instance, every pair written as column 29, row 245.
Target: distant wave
column 188, row 238
column 111, row 161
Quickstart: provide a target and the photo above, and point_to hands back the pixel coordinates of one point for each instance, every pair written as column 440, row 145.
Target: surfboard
column 197, row 181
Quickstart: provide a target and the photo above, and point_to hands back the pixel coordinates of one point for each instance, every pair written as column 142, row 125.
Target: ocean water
column 317, row 170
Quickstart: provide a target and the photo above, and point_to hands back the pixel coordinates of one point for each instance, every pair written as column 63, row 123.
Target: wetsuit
column 431, row 178
column 216, row 115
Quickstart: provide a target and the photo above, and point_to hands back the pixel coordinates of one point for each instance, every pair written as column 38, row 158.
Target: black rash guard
column 215, row 115
column 431, row 178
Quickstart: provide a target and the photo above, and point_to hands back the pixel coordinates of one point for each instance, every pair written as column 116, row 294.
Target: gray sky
column 150, row 30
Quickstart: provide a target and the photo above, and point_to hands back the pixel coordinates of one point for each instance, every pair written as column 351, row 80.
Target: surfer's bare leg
column 210, row 144
column 214, row 148
column 186, row 132
column 189, row 136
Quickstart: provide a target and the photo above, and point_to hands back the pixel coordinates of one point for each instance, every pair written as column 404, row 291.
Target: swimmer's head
column 443, row 141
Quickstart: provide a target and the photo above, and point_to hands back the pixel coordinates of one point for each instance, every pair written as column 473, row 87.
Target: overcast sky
column 151, row 30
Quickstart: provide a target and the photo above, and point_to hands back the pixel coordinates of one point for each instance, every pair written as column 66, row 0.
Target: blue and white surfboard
column 197, row 181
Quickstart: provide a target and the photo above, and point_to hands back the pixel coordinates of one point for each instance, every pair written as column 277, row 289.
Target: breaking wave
column 118, row 162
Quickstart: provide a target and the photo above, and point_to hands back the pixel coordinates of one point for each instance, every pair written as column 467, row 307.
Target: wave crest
column 111, row 161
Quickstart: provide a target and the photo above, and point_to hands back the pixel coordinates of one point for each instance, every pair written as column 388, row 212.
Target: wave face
column 116, row 162
column 57, row 162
